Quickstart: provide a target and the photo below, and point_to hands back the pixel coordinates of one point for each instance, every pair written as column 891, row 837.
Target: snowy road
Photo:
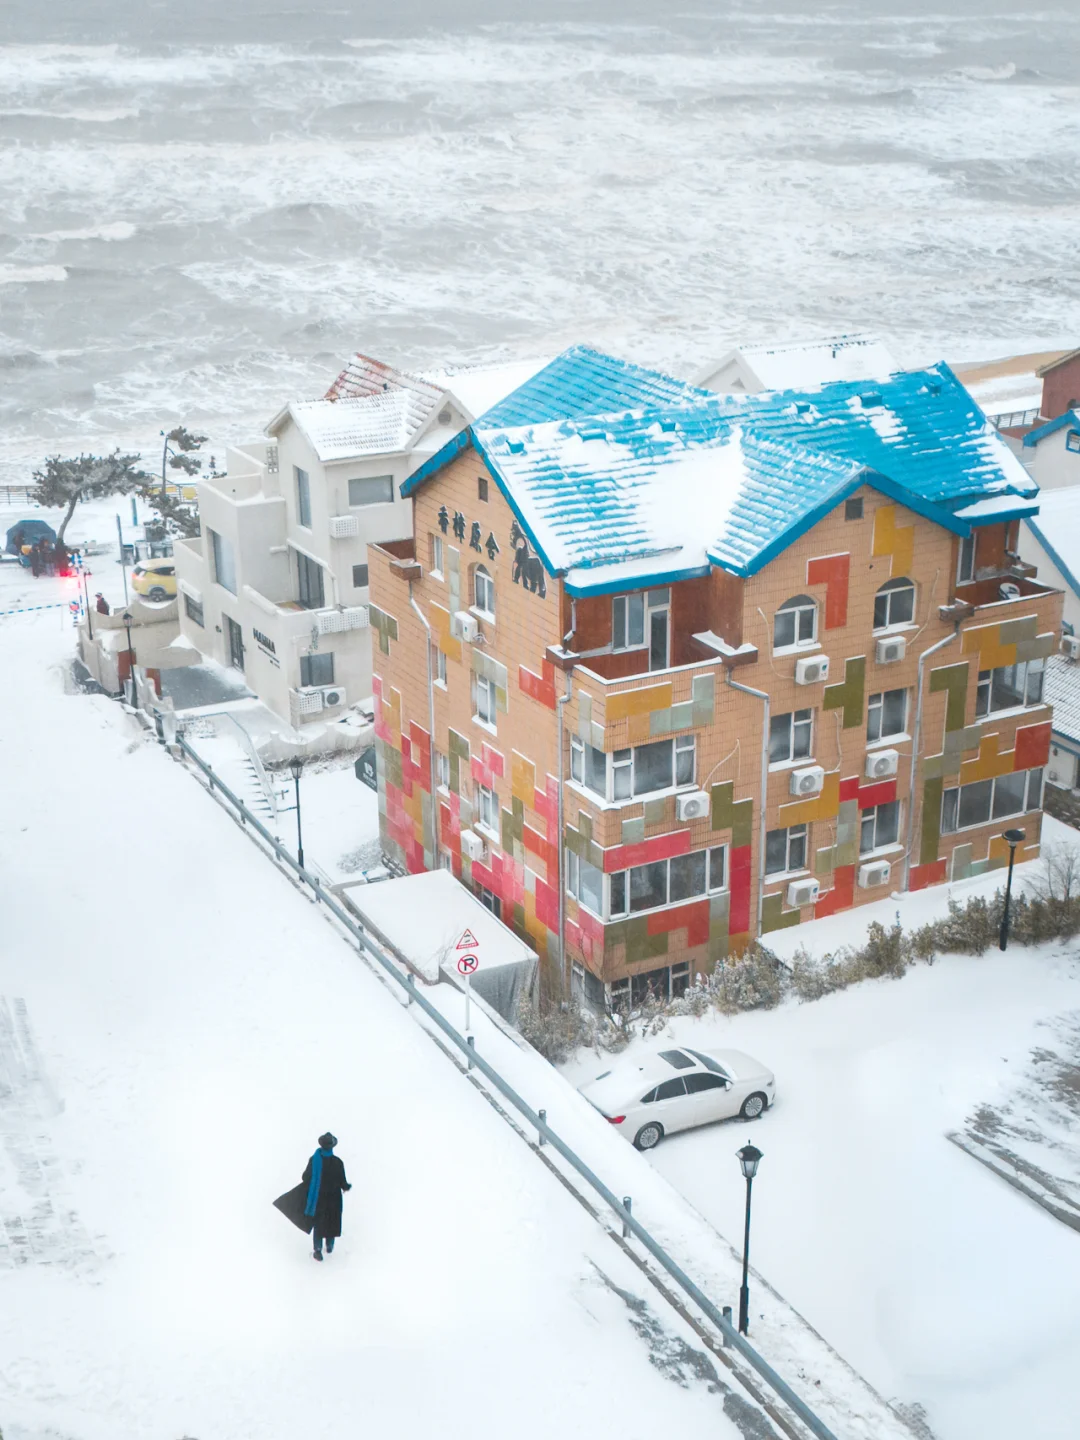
column 190, row 1026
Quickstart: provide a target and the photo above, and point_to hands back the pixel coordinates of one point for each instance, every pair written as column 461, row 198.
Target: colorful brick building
column 716, row 664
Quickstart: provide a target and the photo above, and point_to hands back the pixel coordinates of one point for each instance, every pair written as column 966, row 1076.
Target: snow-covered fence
column 536, row 1120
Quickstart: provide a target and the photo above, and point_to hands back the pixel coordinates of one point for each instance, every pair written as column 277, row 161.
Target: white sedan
column 662, row 1091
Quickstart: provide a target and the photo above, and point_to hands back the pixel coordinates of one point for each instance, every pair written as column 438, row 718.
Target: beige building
column 661, row 671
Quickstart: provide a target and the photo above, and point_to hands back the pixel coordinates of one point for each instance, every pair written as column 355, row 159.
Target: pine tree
column 66, row 482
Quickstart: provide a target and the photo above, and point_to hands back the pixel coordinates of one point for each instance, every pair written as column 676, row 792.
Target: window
column 303, row 497
column 628, row 622
column 709, row 1063
column 677, row 1060
column 659, row 765
column 489, row 900
column 481, row 487
column 585, row 883
column 193, row 609
column 1072, row 439
column 371, row 490
column 671, row 1089
column 224, row 562
column 483, row 590
column 879, row 827
column 894, row 604
column 487, row 806
column 1009, row 687
column 963, row 806
column 853, row 508
column 965, row 563
column 309, row 575
column 438, row 666
column 795, row 623
column 695, row 1084
column 317, row 669
column 442, row 770
column 886, row 715
column 484, row 700
column 790, row 736
column 666, row 882
column 640, row 621
column 785, row 850
column 359, row 577
column 437, row 555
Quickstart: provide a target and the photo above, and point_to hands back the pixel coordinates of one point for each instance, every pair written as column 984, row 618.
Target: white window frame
column 797, row 605
column 620, row 769
column 624, row 610
column 617, row 884
column 437, row 557
column 303, row 497
column 1033, row 790
column 795, row 724
column 890, row 590
column 438, row 667
column 574, row 887
column 369, row 480
column 797, row 832
column 484, row 700
column 985, row 686
column 876, row 705
column 965, row 559
column 487, row 810
column 870, row 816
column 442, row 770
column 484, row 581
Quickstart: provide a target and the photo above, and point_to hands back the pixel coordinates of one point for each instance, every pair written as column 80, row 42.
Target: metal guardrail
column 537, row 1120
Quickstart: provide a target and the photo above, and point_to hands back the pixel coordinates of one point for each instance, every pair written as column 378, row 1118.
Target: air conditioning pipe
column 916, row 737
column 431, row 732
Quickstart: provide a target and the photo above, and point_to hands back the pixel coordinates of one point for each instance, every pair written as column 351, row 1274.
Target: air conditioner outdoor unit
column 693, row 806
column 1070, row 646
column 880, row 764
column 875, row 872
column 465, row 626
column 344, row 527
column 812, row 670
column 333, row 695
column 309, row 701
column 472, row 845
column 802, row 892
column 808, row 781
column 891, row 649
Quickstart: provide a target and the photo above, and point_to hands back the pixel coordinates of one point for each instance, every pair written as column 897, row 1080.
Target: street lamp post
column 296, row 768
column 86, row 597
column 127, row 618
column 749, row 1158
column 1014, row 838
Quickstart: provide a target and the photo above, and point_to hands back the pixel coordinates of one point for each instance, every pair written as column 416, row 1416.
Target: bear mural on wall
column 528, row 570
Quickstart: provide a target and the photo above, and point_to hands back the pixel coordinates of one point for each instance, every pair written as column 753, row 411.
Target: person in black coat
column 102, row 605
column 324, row 1175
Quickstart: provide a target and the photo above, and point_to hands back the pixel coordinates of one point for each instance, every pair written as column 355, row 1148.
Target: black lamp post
column 749, row 1158
column 86, row 597
column 1014, row 838
column 127, row 618
column 296, row 768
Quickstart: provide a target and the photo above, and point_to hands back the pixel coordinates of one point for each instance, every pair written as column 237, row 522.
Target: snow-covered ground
column 940, row 1283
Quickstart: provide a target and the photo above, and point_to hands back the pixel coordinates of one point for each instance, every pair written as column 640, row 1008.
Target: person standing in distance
column 324, row 1175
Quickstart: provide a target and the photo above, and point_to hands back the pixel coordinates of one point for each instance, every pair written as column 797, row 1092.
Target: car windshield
column 710, row 1063
column 677, row 1059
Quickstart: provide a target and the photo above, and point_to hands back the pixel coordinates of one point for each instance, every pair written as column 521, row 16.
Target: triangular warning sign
column 468, row 941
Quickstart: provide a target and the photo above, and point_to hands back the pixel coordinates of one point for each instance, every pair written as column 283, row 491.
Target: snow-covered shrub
column 557, row 1029
column 754, row 980
column 813, row 976
column 885, row 953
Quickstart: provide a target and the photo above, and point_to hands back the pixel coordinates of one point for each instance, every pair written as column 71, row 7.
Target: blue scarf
column 316, row 1177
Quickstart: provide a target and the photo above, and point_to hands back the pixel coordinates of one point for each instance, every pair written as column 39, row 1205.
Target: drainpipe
column 759, row 695
column 431, row 732
column 916, row 739
column 560, row 703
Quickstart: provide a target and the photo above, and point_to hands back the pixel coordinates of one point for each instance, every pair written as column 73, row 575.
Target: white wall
column 1054, row 465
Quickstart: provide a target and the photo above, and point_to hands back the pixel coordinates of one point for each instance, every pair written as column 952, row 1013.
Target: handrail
column 538, row 1122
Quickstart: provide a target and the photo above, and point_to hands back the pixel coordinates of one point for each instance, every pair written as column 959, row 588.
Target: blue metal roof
column 1071, row 417
column 670, row 479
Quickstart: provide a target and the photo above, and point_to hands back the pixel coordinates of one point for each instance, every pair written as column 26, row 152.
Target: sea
column 205, row 207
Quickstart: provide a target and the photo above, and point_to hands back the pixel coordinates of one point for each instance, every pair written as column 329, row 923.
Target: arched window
column 795, row 623
column 894, row 604
column 483, row 590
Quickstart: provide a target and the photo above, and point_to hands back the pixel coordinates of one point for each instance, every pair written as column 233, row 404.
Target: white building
column 798, row 363
column 276, row 585
column 1051, row 452
column 1051, row 540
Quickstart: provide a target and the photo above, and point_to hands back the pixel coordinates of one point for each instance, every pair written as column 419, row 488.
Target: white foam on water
column 115, row 230
column 31, row 274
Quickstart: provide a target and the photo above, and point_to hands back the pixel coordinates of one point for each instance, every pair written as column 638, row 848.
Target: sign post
column 468, row 961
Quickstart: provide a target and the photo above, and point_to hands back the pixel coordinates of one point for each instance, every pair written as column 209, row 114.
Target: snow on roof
column 477, row 388
column 661, row 491
column 423, row 916
column 809, row 362
column 363, row 425
column 1058, row 531
column 1061, row 689
column 364, row 376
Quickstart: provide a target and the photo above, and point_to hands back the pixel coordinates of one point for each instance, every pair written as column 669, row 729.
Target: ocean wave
column 115, row 230
column 31, row 274
column 985, row 73
column 103, row 115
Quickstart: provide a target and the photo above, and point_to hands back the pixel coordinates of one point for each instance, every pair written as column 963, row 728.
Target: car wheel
column 157, row 593
column 754, row 1105
column 649, row 1136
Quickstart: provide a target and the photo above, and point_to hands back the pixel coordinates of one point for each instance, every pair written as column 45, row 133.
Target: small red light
column 616, row 1119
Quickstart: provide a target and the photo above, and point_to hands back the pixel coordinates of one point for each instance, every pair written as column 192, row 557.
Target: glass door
column 659, row 608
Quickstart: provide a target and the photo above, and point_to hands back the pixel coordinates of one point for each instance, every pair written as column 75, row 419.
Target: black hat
column 328, row 1141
